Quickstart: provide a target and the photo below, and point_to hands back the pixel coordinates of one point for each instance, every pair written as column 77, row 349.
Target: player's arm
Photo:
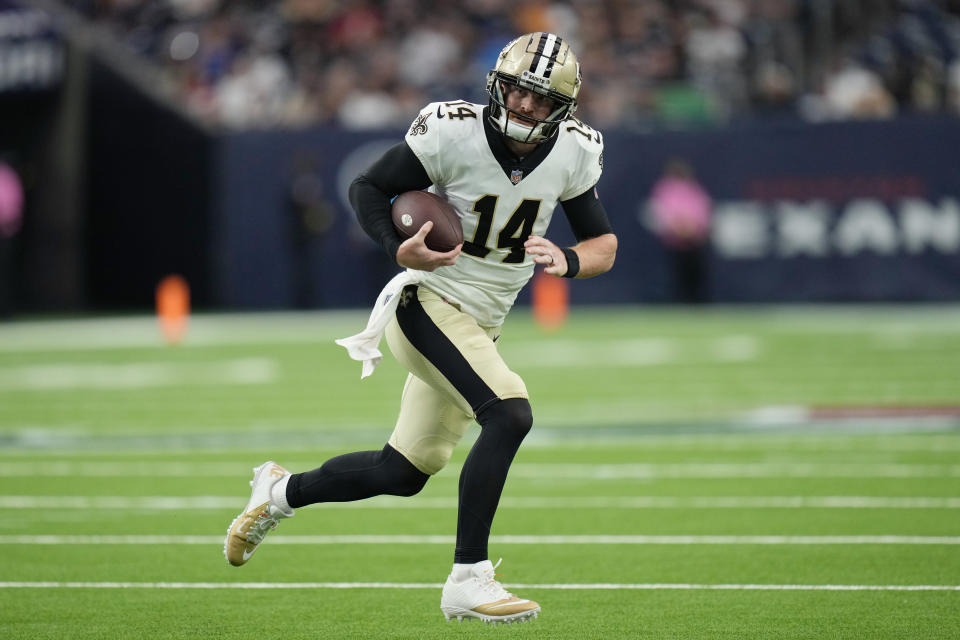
column 398, row 170
column 596, row 248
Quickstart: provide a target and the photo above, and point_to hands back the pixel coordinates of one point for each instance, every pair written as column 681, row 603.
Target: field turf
column 725, row 473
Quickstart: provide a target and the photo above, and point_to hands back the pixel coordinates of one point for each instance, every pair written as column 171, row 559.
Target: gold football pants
column 455, row 373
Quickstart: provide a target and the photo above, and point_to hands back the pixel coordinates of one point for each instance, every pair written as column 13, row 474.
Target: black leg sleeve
column 355, row 476
column 503, row 427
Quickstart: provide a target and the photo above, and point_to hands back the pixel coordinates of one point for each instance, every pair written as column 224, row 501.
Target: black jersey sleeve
column 587, row 217
column 398, row 170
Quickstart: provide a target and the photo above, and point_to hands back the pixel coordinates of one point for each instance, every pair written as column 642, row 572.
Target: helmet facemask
column 544, row 65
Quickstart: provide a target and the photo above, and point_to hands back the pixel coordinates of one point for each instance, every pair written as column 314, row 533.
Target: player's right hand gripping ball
column 413, row 208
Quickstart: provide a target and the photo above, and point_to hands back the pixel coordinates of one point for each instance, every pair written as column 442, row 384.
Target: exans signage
column 784, row 229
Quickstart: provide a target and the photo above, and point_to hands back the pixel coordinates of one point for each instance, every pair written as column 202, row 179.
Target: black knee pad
column 512, row 417
column 405, row 479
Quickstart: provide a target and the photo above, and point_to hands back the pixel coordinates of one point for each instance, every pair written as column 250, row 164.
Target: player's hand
column 546, row 253
column 415, row 254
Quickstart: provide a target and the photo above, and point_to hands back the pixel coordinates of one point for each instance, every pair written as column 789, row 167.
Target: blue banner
column 852, row 211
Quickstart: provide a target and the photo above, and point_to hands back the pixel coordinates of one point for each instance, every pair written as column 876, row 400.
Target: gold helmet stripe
column 539, row 52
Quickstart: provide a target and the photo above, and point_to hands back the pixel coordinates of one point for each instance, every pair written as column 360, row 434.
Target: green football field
column 726, row 473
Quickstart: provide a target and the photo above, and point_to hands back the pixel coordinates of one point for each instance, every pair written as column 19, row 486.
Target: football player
column 504, row 167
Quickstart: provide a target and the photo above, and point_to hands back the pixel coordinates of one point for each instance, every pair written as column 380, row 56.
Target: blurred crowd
column 374, row 63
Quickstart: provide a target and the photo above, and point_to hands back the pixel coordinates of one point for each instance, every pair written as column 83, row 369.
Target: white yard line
column 735, row 470
column 10, row 540
column 143, row 332
column 171, row 503
column 561, row 439
column 519, row 470
column 431, row 585
column 136, row 375
column 787, row 442
column 96, row 333
column 633, row 352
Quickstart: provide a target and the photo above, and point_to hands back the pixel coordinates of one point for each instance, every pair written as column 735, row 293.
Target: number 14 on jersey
column 511, row 236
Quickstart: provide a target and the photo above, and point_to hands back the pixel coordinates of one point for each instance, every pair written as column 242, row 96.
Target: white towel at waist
column 364, row 345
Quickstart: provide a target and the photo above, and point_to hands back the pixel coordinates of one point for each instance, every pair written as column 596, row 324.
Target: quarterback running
column 504, row 167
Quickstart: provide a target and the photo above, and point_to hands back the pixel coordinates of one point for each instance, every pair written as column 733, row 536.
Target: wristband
column 573, row 263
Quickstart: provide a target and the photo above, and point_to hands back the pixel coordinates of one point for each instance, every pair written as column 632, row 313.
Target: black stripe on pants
column 435, row 346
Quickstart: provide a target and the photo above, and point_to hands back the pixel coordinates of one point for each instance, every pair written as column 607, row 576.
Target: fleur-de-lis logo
column 420, row 124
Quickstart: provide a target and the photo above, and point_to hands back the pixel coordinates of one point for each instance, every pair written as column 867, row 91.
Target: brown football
column 413, row 208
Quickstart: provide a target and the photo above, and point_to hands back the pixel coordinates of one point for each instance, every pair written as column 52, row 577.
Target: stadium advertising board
column 840, row 212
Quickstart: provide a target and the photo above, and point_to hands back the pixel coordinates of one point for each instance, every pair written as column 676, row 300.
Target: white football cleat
column 481, row 596
column 260, row 516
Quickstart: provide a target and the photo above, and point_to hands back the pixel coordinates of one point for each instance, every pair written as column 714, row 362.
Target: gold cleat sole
column 522, row 616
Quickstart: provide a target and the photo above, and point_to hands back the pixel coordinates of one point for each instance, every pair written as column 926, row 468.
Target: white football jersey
column 498, row 212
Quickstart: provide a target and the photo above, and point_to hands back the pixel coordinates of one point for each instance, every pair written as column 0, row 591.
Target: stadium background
column 216, row 140
column 779, row 463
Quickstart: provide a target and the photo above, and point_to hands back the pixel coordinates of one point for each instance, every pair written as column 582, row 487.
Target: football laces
column 260, row 528
column 491, row 586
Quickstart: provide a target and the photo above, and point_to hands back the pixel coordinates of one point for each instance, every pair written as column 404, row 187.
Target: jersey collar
column 513, row 167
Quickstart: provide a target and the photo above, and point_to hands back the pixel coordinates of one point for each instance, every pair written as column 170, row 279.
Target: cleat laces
column 263, row 525
column 490, row 585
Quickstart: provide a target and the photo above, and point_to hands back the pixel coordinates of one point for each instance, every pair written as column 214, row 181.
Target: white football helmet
column 542, row 63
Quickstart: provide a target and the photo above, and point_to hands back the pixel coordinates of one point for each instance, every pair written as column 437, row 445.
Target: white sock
column 461, row 572
column 278, row 496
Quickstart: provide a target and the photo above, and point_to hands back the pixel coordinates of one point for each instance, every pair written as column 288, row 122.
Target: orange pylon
column 173, row 308
column 551, row 301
